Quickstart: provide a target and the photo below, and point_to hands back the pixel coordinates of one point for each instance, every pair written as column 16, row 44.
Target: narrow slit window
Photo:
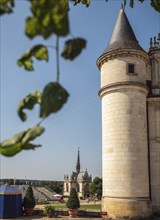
column 131, row 68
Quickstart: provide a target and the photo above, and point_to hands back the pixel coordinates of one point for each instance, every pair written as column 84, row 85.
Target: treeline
column 95, row 188
column 56, row 186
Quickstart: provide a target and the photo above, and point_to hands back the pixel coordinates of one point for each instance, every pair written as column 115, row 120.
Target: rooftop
column 123, row 36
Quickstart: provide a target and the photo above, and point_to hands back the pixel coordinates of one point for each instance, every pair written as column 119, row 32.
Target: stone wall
column 124, row 139
column 154, row 142
column 127, row 208
column 116, row 70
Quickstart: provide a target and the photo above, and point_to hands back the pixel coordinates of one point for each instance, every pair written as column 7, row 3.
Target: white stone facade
column 154, row 141
column 125, row 161
column 124, row 132
column 115, row 71
column 78, row 180
column 153, row 102
column 130, row 94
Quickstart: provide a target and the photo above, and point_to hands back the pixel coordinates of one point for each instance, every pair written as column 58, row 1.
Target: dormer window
column 131, row 68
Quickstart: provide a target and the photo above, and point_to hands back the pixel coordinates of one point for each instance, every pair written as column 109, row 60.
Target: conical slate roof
column 123, row 36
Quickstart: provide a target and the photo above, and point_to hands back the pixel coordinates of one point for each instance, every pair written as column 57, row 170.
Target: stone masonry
column 130, row 125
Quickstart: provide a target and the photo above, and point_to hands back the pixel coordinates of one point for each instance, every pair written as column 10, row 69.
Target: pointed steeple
column 78, row 163
column 123, row 36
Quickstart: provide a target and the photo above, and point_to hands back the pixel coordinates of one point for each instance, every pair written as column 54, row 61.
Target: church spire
column 78, row 163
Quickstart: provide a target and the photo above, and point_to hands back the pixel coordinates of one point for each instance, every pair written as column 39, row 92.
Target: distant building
column 78, row 180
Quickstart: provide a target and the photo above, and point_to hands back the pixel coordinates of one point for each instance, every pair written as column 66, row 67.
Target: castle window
column 67, row 188
column 77, row 187
column 131, row 68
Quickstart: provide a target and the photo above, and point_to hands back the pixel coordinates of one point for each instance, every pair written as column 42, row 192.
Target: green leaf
column 29, row 146
column 32, row 27
column 20, row 141
column 6, row 6
column 85, row 2
column 131, row 3
column 73, row 48
column 40, row 52
column 28, row 103
column 12, row 141
column 53, row 98
column 32, row 133
column 156, row 4
column 26, row 61
column 49, row 17
column 11, row 150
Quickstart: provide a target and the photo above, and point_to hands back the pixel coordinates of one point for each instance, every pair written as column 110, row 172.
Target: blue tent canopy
column 10, row 202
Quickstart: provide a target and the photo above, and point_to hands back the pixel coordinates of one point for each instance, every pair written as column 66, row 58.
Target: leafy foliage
column 29, row 200
column 6, row 6
column 40, row 52
column 156, row 4
column 73, row 200
column 20, row 141
column 131, row 3
column 49, row 17
column 73, row 48
column 49, row 209
column 53, row 98
column 85, row 2
column 56, row 186
column 96, row 186
column 28, row 103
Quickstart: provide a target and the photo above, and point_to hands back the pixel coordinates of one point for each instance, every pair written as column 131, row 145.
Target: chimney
column 151, row 43
column 155, row 43
column 158, row 43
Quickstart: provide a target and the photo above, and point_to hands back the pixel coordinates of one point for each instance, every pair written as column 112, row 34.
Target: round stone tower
column 123, row 68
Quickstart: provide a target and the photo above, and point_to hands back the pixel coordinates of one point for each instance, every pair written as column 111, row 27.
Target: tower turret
column 124, row 125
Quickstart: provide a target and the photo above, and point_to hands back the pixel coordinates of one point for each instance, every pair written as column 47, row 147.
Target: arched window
column 78, row 187
column 67, row 187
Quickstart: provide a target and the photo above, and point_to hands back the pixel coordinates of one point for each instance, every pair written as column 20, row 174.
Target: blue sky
column 78, row 124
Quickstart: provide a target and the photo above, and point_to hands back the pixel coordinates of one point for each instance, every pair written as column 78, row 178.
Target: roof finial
column 151, row 43
column 123, row 4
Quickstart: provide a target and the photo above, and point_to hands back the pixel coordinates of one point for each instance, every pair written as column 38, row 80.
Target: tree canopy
column 95, row 187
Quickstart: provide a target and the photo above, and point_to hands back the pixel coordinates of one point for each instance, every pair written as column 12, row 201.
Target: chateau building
column 130, row 94
column 78, row 180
